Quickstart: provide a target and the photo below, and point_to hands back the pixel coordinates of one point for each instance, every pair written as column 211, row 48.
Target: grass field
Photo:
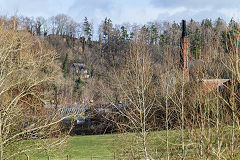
column 99, row 147
column 90, row 147
column 80, row 147
column 108, row 146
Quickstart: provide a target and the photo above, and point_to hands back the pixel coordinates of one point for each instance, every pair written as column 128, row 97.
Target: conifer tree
column 87, row 29
column 65, row 63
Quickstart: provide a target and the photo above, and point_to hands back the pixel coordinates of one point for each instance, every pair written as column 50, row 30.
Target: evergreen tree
column 207, row 23
column 83, row 43
column 87, row 29
column 65, row 63
column 107, row 29
column 124, row 34
column 196, row 44
column 154, row 34
column 231, row 35
column 79, row 83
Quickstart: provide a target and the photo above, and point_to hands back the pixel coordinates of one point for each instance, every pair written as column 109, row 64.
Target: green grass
column 86, row 146
column 80, row 147
column 100, row 146
column 106, row 146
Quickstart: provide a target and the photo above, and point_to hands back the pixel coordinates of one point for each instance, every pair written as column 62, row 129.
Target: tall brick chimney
column 184, row 52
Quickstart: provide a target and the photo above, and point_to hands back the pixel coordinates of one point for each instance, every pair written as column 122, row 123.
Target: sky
column 125, row 11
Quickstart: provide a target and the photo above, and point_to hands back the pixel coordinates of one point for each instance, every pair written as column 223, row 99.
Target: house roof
column 218, row 81
column 214, row 84
column 79, row 65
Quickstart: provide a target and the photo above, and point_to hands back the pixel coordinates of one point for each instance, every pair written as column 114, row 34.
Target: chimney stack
column 184, row 52
column 184, row 33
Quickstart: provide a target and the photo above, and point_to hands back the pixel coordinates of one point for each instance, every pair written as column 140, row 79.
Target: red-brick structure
column 210, row 85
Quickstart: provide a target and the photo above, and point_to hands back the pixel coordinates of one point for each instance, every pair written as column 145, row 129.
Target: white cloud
column 195, row 3
column 35, row 8
column 230, row 12
column 121, row 11
column 172, row 11
column 200, row 10
column 143, row 15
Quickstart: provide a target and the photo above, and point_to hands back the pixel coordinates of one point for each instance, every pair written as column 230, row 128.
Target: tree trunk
column 182, row 118
column 168, row 157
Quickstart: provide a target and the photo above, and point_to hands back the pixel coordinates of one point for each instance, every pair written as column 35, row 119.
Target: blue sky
column 125, row 11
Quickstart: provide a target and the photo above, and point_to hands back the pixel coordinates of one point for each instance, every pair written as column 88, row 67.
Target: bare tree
column 231, row 62
column 135, row 91
column 27, row 71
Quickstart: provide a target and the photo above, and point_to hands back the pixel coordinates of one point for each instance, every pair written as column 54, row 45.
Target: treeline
column 111, row 41
column 162, row 33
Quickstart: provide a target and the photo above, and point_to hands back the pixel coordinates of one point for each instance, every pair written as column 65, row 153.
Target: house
column 214, row 84
column 79, row 70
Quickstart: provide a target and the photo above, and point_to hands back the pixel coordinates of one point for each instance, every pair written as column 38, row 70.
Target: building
column 208, row 84
column 79, row 70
